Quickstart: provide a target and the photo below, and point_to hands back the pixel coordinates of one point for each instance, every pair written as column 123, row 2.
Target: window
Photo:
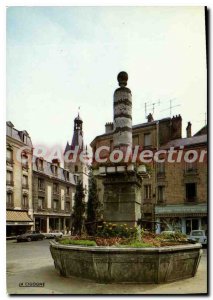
column 41, row 184
column 24, row 160
column 161, row 193
column 25, row 201
column 40, row 164
column 191, row 192
column 160, row 168
column 9, row 155
column 9, row 177
column 55, row 204
column 147, row 139
column 147, row 191
column 40, row 202
column 25, row 181
column 9, row 199
column 68, row 190
column 55, row 188
column 67, row 206
column 135, row 140
column 54, row 169
column 76, row 168
column 190, row 166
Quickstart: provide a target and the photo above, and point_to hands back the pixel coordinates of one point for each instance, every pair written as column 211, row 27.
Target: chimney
column 189, row 130
column 108, row 127
column 176, row 127
column 150, row 117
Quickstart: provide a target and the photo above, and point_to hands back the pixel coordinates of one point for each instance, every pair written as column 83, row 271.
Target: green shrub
column 108, row 230
column 174, row 236
column 77, row 242
column 137, row 244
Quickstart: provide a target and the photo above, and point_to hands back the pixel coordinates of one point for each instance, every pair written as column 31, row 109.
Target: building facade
column 53, row 194
column 166, row 191
column 19, row 204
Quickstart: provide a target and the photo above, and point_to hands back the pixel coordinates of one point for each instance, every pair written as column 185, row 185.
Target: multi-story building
column 182, row 187
column 19, row 214
column 79, row 167
column 53, row 193
column 168, row 185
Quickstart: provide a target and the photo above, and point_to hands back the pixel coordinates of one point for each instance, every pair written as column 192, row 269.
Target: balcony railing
column 41, row 208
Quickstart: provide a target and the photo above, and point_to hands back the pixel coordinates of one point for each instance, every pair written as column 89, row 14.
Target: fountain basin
column 115, row 264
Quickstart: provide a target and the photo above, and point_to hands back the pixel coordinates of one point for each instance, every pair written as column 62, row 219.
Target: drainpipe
column 156, row 180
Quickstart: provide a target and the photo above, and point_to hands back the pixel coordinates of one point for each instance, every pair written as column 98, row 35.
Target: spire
column 77, row 139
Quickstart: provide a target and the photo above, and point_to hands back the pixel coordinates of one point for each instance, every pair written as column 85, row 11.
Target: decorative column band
column 121, row 129
column 123, row 101
column 120, row 115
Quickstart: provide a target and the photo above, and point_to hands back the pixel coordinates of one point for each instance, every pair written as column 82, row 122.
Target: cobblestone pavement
column 32, row 262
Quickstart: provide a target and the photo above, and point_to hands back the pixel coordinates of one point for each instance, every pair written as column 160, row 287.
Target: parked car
column 30, row 236
column 198, row 236
column 53, row 234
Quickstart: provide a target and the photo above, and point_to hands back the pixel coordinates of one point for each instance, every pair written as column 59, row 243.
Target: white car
column 53, row 234
column 198, row 236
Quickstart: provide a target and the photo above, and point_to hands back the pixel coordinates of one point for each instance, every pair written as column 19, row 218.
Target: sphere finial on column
column 122, row 78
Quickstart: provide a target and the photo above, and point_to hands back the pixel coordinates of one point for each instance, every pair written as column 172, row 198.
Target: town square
column 106, row 157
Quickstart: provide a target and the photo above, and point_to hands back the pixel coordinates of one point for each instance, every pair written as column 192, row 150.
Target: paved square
column 32, row 262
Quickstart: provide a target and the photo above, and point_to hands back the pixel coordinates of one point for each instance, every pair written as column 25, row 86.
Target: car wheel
column 29, row 239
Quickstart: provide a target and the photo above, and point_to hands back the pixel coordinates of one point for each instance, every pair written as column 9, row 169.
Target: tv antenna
column 170, row 107
column 148, row 104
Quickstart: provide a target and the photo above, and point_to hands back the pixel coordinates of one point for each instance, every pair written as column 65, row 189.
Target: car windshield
column 197, row 233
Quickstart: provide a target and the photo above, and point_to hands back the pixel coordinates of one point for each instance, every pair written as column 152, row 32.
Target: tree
column 93, row 205
column 78, row 217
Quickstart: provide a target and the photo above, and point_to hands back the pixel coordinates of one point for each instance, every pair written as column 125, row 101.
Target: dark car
column 30, row 236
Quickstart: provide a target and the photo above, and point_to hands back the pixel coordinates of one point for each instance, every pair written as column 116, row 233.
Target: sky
column 63, row 58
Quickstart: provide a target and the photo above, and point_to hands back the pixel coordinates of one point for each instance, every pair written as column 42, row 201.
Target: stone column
column 158, row 226
column 122, row 136
column 48, row 226
column 183, row 225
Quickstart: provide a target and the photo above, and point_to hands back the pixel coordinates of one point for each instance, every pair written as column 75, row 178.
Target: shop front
column 183, row 218
column 50, row 223
column 17, row 222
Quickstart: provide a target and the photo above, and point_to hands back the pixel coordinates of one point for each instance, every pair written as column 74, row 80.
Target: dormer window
column 54, row 169
column 40, row 164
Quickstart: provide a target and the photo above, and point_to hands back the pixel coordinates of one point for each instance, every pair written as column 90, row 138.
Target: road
column 32, row 262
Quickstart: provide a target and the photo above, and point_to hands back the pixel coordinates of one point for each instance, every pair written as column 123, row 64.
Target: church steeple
column 77, row 139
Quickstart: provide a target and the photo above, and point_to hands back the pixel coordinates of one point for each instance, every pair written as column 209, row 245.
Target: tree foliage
column 93, row 206
column 78, row 215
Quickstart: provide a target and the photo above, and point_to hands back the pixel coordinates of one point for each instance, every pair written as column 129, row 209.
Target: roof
column 194, row 140
column 17, row 216
column 141, row 125
column 17, row 134
column 202, row 131
column 48, row 171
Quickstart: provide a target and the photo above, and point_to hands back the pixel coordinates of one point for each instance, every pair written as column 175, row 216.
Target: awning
column 181, row 210
column 14, row 217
